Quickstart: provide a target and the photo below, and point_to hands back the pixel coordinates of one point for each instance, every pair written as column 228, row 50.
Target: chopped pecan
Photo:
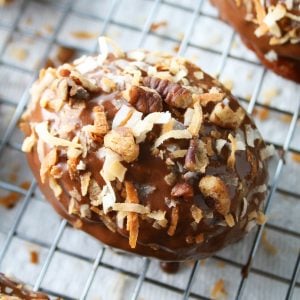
column 253, row 163
column 172, row 93
column 77, row 91
column 174, row 221
column 121, row 141
column 84, row 82
column 215, row 188
column 145, row 100
column 182, row 190
column 196, row 158
column 223, row 116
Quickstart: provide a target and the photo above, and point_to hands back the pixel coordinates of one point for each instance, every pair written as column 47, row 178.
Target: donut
column 146, row 152
column 269, row 28
column 12, row 290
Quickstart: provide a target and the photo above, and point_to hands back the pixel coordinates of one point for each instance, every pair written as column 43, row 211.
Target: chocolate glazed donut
column 271, row 30
column 10, row 289
column 146, row 153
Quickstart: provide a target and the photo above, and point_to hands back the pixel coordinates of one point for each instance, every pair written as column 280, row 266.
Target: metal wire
column 184, row 44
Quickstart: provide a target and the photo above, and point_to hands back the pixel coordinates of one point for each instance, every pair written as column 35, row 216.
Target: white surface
column 67, row 274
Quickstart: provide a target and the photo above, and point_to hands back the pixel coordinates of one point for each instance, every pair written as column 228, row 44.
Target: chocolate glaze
column 150, row 170
column 288, row 62
column 11, row 288
column 170, row 267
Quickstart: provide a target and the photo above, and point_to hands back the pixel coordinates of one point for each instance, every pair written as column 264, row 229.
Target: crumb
column 269, row 94
column 34, row 257
column 11, row 199
column 248, row 97
column 156, row 25
column 84, row 35
column 296, row 157
column 286, row 118
column 176, row 48
column 221, row 264
column 218, row 291
column 263, row 113
column 49, row 28
column 19, row 53
column 270, row 248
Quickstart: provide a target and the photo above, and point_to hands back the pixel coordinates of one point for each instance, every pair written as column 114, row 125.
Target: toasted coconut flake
column 220, row 143
column 103, row 46
column 158, row 215
column 85, row 211
column 231, row 158
column 174, row 221
column 29, row 142
column 132, row 217
column 199, row 75
column 94, row 191
column 206, row 98
column 196, row 121
column 121, row 141
column 173, row 134
column 138, row 55
column 170, row 178
column 108, row 194
column 43, row 133
column 215, row 188
column 261, row 218
column 223, row 116
column 251, row 135
column 47, row 163
column 178, row 153
column 229, row 220
column 244, row 209
column 250, row 225
column 84, row 182
column 267, row 152
column 196, row 213
column 131, row 207
column 75, row 194
column 84, row 81
column 260, row 189
column 142, row 127
column 121, row 215
column 188, row 115
column 112, row 168
column 107, row 85
column 55, row 187
column 123, row 115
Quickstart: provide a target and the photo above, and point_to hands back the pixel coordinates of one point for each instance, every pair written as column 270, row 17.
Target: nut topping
column 223, row 116
column 172, row 93
column 145, row 100
column 182, row 190
column 196, row 158
column 213, row 187
column 121, row 141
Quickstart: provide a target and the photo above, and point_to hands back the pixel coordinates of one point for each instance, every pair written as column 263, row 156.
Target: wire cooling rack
column 71, row 264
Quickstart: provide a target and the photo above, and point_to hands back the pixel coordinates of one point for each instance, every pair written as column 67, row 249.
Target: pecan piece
column 196, row 158
column 145, row 99
column 121, row 141
column 215, row 188
column 182, row 190
column 172, row 93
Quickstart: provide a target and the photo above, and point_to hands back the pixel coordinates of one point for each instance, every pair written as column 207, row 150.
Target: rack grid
column 195, row 10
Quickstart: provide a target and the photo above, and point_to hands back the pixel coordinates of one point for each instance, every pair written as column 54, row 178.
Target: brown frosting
column 12, row 290
column 271, row 30
column 146, row 153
